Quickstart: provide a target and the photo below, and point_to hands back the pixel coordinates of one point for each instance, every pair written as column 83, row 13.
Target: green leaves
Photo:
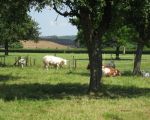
column 15, row 23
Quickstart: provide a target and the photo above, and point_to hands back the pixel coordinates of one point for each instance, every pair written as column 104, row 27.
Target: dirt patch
column 42, row 44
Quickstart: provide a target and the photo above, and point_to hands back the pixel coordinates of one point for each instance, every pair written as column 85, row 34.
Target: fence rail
column 69, row 51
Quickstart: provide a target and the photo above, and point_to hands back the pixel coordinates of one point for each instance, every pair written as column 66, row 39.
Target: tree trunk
column 124, row 50
column 92, row 33
column 93, row 45
column 6, row 47
column 137, row 59
column 117, row 52
column 95, row 59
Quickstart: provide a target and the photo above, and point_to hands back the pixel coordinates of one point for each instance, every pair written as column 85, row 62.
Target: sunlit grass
column 34, row 93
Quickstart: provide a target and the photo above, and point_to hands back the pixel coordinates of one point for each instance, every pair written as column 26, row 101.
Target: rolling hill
column 52, row 42
column 43, row 44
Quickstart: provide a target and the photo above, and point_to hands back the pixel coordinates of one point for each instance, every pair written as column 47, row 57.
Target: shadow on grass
column 127, row 73
column 78, row 73
column 4, row 78
column 121, row 59
column 124, row 73
column 67, row 91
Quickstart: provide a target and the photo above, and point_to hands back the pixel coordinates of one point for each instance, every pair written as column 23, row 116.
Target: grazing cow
column 108, row 71
column 54, row 61
column 22, row 62
column 145, row 74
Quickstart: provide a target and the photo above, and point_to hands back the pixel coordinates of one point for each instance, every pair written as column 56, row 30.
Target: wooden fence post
column 18, row 60
column 124, row 50
column 69, row 65
column 27, row 60
column 30, row 61
column 1, row 60
column 34, row 61
column 75, row 63
column 15, row 63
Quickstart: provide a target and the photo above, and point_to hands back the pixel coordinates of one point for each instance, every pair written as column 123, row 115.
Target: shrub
column 15, row 45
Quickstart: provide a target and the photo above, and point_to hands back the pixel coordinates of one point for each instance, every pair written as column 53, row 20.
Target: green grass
column 33, row 93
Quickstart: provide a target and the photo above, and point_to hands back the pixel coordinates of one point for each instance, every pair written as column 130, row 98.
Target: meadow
column 33, row 93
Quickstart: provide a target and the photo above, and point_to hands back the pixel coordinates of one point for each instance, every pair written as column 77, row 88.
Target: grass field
column 42, row 44
column 33, row 93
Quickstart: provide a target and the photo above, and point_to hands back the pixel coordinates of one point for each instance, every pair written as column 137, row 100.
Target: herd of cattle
column 58, row 62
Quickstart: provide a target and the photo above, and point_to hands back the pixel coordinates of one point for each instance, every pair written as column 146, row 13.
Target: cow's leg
column 46, row 66
column 57, row 66
column 21, row 65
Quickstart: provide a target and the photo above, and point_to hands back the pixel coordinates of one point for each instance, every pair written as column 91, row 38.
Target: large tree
column 11, row 15
column 15, row 23
column 94, row 17
column 28, row 29
column 119, row 36
column 120, row 33
column 138, row 15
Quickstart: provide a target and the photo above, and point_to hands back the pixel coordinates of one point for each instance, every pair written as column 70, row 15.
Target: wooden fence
column 29, row 61
column 2, row 61
column 69, row 51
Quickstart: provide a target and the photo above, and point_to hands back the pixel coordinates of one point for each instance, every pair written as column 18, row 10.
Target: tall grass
column 34, row 93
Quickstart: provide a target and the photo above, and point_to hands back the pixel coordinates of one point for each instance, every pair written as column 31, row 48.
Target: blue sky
column 50, row 26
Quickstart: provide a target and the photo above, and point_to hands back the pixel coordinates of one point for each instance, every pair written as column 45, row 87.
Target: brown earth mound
column 42, row 44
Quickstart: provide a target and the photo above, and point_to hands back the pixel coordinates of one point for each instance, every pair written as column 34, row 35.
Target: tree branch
column 106, row 18
column 66, row 13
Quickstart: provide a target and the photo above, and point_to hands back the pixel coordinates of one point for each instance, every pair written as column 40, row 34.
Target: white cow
column 145, row 74
column 22, row 62
column 53, row 61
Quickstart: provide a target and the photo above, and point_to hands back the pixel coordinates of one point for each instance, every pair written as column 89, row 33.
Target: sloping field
column 43, row 44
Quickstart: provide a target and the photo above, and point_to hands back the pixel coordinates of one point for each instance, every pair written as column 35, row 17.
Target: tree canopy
column 138, row 14
column 15, row 23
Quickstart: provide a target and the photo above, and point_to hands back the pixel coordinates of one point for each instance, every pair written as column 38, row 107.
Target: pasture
column 34, row 93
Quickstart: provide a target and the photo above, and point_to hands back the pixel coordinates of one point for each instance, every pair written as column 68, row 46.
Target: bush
column 15, row 45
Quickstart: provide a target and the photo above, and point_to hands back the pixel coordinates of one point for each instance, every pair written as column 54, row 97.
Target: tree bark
column 117, row 53
column 6, row 47
column 93, row 44
column 95, row 59
column 93, row 37
column 137, row 59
